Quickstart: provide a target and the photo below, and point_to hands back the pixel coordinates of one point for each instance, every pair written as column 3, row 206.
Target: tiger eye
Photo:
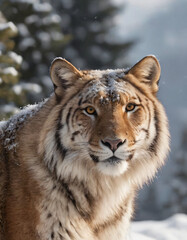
column 90, row 110
column 130, row 107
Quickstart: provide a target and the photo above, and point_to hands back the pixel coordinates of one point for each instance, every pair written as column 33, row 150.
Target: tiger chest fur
column 70, row 166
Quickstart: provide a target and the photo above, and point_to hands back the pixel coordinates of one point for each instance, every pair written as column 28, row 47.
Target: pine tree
column 89, row 22
column 10, row 63
column 39, row 41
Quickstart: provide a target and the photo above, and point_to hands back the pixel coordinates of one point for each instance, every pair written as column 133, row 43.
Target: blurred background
column 102, row 34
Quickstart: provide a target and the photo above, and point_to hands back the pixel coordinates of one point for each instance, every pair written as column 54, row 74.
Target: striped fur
column 62, row 180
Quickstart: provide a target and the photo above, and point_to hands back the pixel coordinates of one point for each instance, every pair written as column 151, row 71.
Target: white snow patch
column 17, row 58
column 52, row 19
column 26, row 43
column 23, row 30
column 9, row 108
column 9, row 25
column 10, row 70
column 9, row 130
column 173, row 228
column 107, row 83
column 32, row 87
column 2, row 124
column 42, row 7
column 115, row 73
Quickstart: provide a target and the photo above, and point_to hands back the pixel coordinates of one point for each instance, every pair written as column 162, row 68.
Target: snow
column 42, row 7
column 10, row 128
column 44, row 38
column 10, row 70
column 9, row 25
column 32, row 87
column 26, row 43
column 108, row 88
column 51, row 19
column 23, row 30
column 173, row 228
column 17, row 58
column 32, row 19
column 2, row 124
column 9, row 108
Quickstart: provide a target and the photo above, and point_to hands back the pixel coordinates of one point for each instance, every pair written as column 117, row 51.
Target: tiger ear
column 63, row 75
column 147, row 71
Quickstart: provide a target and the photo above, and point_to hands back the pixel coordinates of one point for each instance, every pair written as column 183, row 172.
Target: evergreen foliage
column 10, row 63
column 90, row 23
column 39, row 41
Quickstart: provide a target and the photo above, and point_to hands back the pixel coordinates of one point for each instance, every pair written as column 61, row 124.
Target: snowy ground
column 173, row 228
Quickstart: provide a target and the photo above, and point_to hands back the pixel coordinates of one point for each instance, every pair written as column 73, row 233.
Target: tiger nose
column 113, row 144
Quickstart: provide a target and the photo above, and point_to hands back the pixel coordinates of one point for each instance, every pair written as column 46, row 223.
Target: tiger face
column 111, row 118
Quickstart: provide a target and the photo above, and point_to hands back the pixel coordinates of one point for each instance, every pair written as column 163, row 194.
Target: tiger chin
column 70, row 166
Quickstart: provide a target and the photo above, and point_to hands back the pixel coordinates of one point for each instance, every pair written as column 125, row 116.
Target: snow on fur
column 9, row 128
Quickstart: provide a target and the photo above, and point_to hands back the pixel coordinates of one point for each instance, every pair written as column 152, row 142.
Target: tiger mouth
column 113, row 160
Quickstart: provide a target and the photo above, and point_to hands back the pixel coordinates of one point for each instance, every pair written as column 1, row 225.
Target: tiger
column 71, row 165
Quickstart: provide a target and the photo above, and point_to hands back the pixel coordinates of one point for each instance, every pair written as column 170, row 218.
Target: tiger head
column 111, row 120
